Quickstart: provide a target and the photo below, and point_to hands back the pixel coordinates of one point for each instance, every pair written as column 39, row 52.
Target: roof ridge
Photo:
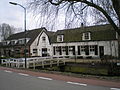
column 85, row 27
column 27, row 31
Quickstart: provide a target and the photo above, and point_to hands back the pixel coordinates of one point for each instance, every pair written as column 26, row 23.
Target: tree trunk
column 116, row 6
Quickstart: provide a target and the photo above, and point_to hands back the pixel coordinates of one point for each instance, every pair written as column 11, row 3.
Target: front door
column 101, row 51
column 44, row 52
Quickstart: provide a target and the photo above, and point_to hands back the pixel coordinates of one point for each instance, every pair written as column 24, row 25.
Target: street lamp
column 13, row 3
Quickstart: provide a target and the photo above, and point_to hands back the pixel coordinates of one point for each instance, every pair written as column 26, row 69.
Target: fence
column 32, row 62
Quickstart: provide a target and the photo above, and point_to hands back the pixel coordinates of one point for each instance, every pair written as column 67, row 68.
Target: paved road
column 10, row 80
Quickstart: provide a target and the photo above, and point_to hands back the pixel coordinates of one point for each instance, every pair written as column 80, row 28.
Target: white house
column 86, row 42
column 38, row 44
column 41, row 45
column 83, row 42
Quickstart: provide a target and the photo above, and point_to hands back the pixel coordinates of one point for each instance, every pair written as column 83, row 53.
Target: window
column 92, row 48
column 59, row 50
column 86, row 36
column 4, row 43
column 34, row 50
column 27, row 39
column 43, row 39
column 72, row 49
column 17, row 51
column 63, row 49
column 12, row 42
column 60, row 38
column 21, row 41
column 82, row 48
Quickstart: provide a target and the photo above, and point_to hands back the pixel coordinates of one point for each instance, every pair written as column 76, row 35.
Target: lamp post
column 13, row 3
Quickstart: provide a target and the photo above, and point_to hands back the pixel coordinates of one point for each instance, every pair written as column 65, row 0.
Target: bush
column 86, row 70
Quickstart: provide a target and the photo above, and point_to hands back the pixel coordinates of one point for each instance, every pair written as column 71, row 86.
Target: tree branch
column 56, row 3
column 116, row 5
column 94, row 6
column 101, row 10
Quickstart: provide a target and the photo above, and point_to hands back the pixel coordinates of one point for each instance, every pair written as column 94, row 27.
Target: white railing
column 32, row 62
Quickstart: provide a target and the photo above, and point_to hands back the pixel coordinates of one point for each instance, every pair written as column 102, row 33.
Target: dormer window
column 12, row 42
column 86, row 36
column 21, row 41
column 60, row 38
column 5, row 43
column 27, row 39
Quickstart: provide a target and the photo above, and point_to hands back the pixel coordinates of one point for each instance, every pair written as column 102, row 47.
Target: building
column 84, row 42
column 37, row 44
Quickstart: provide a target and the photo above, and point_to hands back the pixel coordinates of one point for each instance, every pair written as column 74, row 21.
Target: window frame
column 35, row 51
column 92, row 48
column 86, row 36
column 60, row 38
column 43, row 39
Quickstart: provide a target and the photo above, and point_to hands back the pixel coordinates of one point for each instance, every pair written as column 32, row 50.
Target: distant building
column 84, row 42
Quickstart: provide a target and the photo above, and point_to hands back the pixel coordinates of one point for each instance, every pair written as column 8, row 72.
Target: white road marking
column 45, row 78
column 115, row 88
column 8, row 71
column 23, row 74
column 81, row 84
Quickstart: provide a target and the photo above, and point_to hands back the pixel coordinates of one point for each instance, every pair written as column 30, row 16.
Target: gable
column 30, row 34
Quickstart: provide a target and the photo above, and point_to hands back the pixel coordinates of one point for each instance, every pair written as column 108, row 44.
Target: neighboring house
column 37, row 44
column 84, row 42
column 89, row 42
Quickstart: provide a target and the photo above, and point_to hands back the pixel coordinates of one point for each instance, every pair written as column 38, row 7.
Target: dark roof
column 100, row 32
column 50, row 35
column 32, row 34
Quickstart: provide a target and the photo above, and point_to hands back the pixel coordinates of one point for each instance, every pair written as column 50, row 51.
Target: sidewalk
column 67, row 78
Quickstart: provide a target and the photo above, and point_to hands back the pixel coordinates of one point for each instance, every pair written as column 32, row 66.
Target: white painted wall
column 39, row 44
column 34, row 46
column 110, row 47
column 44, row 44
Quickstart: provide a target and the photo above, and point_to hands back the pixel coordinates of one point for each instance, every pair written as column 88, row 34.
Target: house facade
column 84, row 42
column 41, row 46
column 86, row 49
column 37, row 44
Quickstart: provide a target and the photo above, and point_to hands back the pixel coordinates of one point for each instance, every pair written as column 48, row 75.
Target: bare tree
column 77, row 11
column 6, row 30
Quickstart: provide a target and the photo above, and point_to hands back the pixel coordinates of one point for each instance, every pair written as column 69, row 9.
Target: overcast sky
column 14, row 15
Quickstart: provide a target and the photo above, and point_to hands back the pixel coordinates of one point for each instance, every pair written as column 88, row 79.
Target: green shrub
column 86, row 70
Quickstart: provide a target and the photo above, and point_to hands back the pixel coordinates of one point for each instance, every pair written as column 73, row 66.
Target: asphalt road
column 18, row 81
